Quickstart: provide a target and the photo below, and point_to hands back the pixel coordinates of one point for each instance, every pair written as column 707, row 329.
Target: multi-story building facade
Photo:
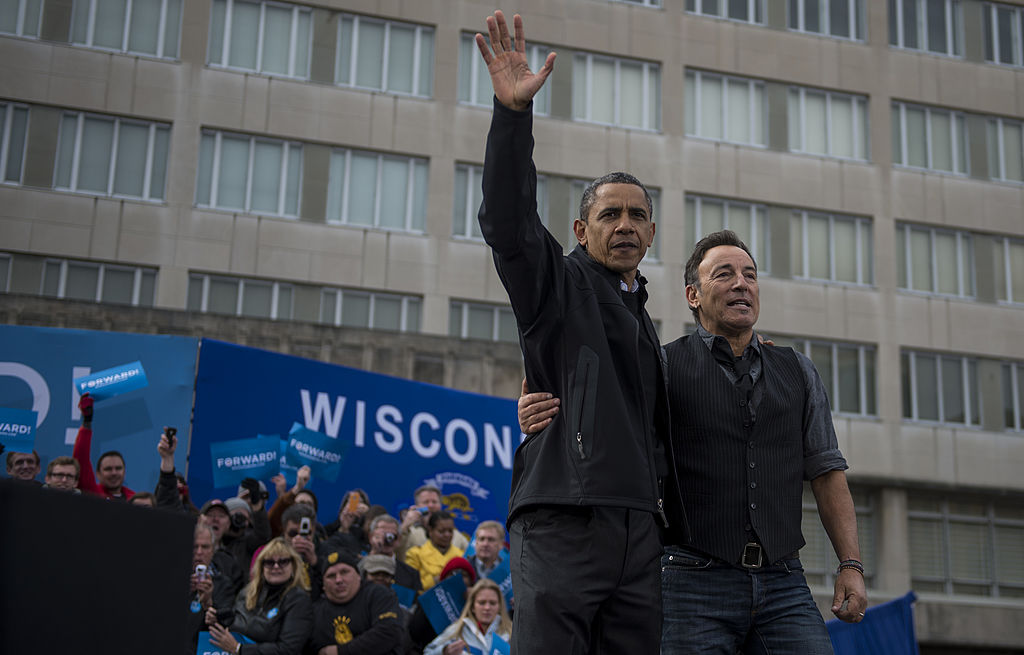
column 305, row 176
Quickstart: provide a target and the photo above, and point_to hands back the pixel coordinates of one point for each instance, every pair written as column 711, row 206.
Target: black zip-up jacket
column 580, row 342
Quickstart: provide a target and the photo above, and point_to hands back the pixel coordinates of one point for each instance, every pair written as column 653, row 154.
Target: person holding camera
column 384, row 532
column 273, row 610
column 426, row 501
column 299, row 529
column 249, row 528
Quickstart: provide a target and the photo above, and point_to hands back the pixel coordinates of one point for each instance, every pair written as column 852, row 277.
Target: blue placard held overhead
column 322, row 454
column 113, row 381
column 233, row 461
column 443, row 602
column 18, row 429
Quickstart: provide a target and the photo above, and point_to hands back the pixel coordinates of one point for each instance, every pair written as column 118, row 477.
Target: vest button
column 743, row 403
column 753, row 465
column 753, row 505
column 753, row 485
column 750, row 444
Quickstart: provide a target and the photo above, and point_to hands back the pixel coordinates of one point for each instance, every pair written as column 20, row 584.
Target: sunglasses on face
column 278, row 563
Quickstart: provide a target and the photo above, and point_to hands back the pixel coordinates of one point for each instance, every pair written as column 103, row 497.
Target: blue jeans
column 713, row 607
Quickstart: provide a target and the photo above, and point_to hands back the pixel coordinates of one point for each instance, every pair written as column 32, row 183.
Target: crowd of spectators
column 270, row 578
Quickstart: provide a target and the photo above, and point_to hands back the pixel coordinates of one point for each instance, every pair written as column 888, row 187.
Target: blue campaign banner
column 204, row 647
column 886, row 629
column 233, row 461
column 113, row 381
column 499, row 646
column 399, row 434
column 18, row 429
column 406, row 596
column 443, row 602
column 37, row 370
column 502, row 574
column 320, row 453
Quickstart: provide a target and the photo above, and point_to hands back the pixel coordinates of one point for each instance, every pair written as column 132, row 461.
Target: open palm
column 514, row 83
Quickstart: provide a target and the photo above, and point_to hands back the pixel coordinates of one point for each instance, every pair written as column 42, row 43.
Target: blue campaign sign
column 406, row 596
column 37, row 369
column 398, row 434
column 319, row 452
column 499, row 646
column 233, row 461
column 886, row 629
column 18, row 429
column 502, row 574
column 113, row 381
column 204, row 647
column 443, row 602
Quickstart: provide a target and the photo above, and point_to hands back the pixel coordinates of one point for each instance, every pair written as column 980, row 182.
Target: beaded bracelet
column 851, row 564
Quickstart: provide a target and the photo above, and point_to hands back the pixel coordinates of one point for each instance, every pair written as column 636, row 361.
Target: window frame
column 282, row 200
column 224, row 55
column 373, row 297
column 386, row 46
column 275, row 300
column 1014, row 371
column 970, row 421
column 864, row 278
column 102, row 268
column 342, row 195
column 161, row 44
column 863, row 351
column 998, row 149
column 536, row 54
column 118, row 121
column 753, row 86
column 990, row 29
column 7, row 110
column 966, row 280
column 1013, row 297
column 953, row 15
column 646, row 81
column 19, row 29
column 758, row 215
column 6, row 264
column 654, row 4
column 958, row 133
column 496, row 313
column 755, row 8
column 856, row 15
column 859, row 104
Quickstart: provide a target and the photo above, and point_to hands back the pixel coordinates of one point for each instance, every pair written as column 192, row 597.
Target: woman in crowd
column 430, row 558
column 483, row 617
column 273, row 610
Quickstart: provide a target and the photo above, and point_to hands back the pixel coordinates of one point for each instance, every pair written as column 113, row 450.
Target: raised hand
column 514, row 83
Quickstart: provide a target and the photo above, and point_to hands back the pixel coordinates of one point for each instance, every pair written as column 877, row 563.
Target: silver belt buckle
column 752, row 557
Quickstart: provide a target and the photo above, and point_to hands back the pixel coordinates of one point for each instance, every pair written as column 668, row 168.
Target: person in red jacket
column 109, row 467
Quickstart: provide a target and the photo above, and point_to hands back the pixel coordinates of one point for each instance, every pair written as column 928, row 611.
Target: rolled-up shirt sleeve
column 821, row 447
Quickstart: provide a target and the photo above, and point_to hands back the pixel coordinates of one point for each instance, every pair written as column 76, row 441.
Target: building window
column 928, row 25
column 249, row 174
column 364, row 309
column 843, row 19
column 13, row 128
column 646, row 3
column 110, row 283
column 747, row 11
column 747, row 220
column 847, row 371
column 1013, row 392
column 830, row 247
column 942, row 388
column 239, row 296
column 926, row 137
column 1005, row 150
column 615, row 91
column 1004, row 34
column 965, row 546
column 725, row 108
column 377, row 190
column 475, row 82
column 934, row 260
column 263, row 37
column 468, row 320
column 818, row 557
column 21, row 17
column 5, row 272
column 146, row 27
column 112, row 156
column 827, row 123
column 1008, row 255
column 468, row 196
column 578, row 186
column 385, row 56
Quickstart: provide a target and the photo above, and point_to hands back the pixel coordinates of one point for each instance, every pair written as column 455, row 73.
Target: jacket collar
column 580, row 253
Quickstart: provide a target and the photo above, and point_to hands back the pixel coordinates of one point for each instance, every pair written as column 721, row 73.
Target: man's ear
column 651, row 242
column 691, row 297
column 579, row 228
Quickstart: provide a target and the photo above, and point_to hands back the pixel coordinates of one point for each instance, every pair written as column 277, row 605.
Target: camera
column 304, row 526
column 201, row 571
column 423, row 510
column 389, row 537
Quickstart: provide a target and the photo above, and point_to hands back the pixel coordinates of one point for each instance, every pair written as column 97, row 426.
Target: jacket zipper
column 579, row 424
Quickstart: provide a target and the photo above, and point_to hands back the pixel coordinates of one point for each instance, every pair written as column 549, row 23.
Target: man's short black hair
column 109, row 453
column 590, row 193
column 297, row 512
column 713, row 240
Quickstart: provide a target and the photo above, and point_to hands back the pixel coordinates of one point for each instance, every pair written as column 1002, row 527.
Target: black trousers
column 587, row 580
